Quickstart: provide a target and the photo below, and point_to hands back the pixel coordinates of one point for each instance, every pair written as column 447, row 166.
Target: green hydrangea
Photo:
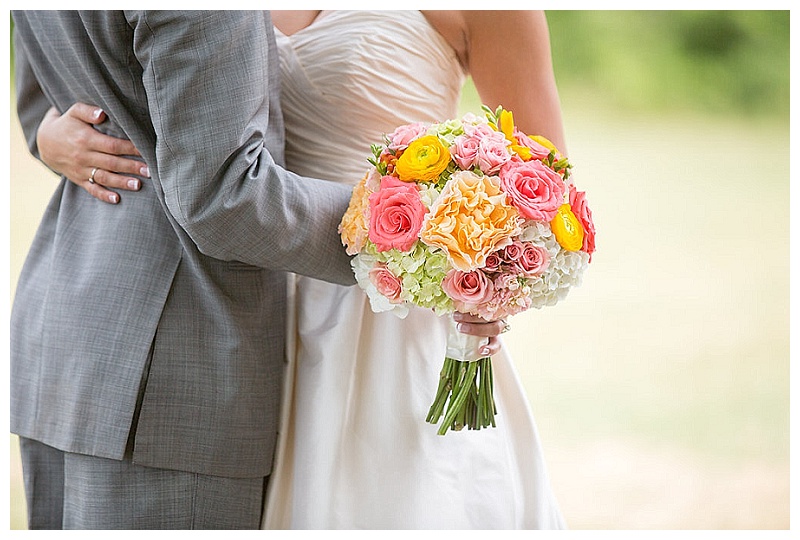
column 447, row 131
column 421, row 271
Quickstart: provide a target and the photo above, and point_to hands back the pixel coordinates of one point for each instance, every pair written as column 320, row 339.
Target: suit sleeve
column 207, row 81
column 32, row 104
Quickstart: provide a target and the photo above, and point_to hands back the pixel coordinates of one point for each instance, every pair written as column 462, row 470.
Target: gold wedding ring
column 91, row 176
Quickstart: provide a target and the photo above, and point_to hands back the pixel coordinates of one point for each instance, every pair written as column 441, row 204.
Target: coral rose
column 424, row 160
column 534, row 189
column 396, row 215
column 577, row 201
column 469, row 220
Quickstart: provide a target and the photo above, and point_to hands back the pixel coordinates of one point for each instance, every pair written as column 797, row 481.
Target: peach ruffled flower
column 354, row 227
column 469, row 220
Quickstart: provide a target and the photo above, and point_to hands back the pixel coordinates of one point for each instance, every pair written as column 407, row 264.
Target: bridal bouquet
column 468, row 215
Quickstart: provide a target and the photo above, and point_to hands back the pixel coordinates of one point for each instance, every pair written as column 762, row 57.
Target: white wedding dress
column 355, row 451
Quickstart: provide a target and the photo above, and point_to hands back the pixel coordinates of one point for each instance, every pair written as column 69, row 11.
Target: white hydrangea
column 428, row 194
column 564, row 271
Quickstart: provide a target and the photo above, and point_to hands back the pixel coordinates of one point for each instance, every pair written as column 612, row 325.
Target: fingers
column 483, row 329
column 476, row 326
column 91, row 114
column 100, row 182
column 70, row 144
column 86, row 113
column 102, row 194
column 112, row 180
column 109, row 162
column 492, row 348
column 116, row 146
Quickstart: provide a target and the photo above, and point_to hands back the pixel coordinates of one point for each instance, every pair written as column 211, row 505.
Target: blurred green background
column 661, row 385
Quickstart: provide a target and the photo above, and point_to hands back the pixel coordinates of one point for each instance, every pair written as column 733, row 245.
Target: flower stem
column 464, row 396
column 442, row 393
column 460, row 394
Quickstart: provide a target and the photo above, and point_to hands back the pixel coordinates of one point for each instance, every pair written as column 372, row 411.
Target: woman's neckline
column 313, row 22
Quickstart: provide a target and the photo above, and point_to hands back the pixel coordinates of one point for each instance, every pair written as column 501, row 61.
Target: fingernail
column 145, row 171
column 113, row 198
column 460, row 327
column 96, row 114
column 485, row 351
column 133, row 183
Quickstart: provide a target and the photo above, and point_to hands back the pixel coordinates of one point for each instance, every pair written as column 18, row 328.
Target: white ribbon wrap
column 464, row 347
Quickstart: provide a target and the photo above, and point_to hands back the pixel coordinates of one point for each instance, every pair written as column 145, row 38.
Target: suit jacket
column 180, row 289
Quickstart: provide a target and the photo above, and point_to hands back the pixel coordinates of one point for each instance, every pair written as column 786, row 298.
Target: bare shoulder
column 508, row 23
column 452, row 26
column 289, row 22
column 489, row 30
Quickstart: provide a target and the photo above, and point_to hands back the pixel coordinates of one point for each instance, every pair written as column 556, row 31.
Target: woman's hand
column 475, row 326
column 69, row 145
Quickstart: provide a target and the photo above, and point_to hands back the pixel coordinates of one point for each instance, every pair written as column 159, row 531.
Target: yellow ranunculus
column 354, row 227
column 469, row 220
column 424, row 160
column 567, row 228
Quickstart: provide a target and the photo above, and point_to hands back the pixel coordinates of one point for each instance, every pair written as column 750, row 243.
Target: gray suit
column 164, row 318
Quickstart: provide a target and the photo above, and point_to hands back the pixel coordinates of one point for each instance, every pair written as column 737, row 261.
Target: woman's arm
column 508, row 55
column 69, row 145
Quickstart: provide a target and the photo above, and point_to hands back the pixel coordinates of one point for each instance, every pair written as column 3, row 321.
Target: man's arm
column 207, row 84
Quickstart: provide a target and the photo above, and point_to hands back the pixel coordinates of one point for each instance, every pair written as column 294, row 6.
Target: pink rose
column 403, row 135
column 465, row 151
column 512, row 252
column 387, row 283
column 534, row 189
column 396, row 214
column 534, row 259
column 492, row 263
column 467, row 288
column 538, row 151
column 492, row 154
column 577, row 201
column 483, row 131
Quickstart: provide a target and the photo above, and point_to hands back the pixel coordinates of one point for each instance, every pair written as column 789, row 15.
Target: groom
column 147, row 344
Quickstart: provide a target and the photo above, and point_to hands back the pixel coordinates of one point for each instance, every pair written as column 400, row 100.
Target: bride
column 355, row 451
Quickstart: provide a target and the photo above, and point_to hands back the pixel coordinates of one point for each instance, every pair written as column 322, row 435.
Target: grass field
column 661, row 386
